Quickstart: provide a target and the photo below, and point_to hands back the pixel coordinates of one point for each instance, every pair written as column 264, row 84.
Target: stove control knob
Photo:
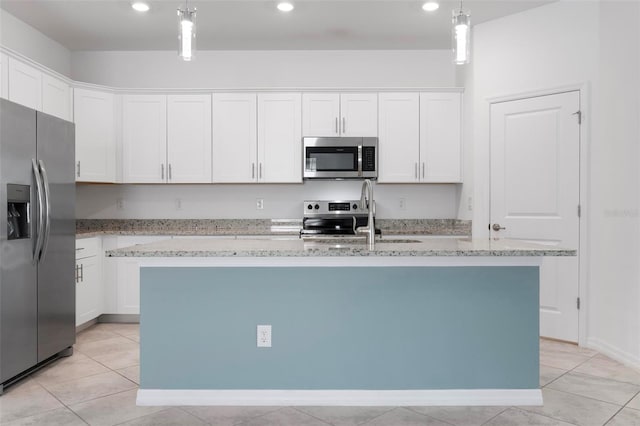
column 355, row 207
column 309, row 207
column 317, row 206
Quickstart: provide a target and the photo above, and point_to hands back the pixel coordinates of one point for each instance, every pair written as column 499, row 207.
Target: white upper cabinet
column 4, row 76
column 25, row 85
column 440, row 137
column 321, row 114
column 189, row 138
column 56, row 97
column 399, row 133
column 359, row 114
column 280, row 138
column 144, row 138
column 334, row 114
column 234, row 138
column 94, row 115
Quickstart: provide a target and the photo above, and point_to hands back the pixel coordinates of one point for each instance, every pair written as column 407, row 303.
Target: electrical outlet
column 120, row 204
column 264, row 336
column 470, row 204
column 402, row 205
column 259, row 204
column 178, row 204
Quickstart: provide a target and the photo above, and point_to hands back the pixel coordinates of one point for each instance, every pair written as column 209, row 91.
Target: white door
column 4, row 76
column 144, row 138
column 95, row 136
column 399, row 137
column 320, row 114
column 189, row 138
column 535, row 187
column 56, row 97
column 25, row 85
column 440, row 137
column 280, row 137
column 359, row 112
column 234, row 138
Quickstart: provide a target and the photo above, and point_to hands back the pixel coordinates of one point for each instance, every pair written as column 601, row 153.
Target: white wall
column 26, row 40
column 245, row 69
column 565, row 43
column 239, row 201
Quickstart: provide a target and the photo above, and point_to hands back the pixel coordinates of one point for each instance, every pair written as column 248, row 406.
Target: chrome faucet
column 366, row 199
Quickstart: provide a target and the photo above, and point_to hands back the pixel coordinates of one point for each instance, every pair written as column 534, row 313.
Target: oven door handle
column 359, row 160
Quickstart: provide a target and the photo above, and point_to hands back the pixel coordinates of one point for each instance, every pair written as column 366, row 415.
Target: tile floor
column 97, row 386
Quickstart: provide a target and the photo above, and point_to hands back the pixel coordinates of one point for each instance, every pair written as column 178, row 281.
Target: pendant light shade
column 461, row 35
column 186, row 33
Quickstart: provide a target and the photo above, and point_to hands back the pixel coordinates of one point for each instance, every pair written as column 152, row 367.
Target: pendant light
column 461, row 35
column 186, row 32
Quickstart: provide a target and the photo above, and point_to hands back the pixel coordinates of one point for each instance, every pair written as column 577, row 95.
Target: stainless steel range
column 334, row 218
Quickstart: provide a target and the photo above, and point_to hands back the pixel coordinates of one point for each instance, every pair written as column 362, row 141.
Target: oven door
column 332, row 158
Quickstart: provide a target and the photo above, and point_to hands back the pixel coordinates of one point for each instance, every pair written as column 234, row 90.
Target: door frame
column 584, row 92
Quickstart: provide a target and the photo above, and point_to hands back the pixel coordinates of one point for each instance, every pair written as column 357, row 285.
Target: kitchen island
column 414, row 322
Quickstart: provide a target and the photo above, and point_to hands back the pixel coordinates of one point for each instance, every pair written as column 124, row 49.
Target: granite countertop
column 86, row 228
column 328, row 248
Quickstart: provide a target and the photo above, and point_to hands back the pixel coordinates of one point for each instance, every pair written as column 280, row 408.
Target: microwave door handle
column 359, row 160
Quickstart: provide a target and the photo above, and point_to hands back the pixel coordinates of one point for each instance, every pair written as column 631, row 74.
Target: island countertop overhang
column 269, row 248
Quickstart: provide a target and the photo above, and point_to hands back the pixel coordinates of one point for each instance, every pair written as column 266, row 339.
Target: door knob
column 497, row 227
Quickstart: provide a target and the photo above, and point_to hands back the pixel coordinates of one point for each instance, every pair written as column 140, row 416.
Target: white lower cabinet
column 122, row 275
column 89, row 283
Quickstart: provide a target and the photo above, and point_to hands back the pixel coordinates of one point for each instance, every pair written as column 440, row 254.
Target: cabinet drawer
column 87, row 247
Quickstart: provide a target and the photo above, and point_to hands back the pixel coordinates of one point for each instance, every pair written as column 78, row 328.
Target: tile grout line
column 500, row 413
column 427, row 416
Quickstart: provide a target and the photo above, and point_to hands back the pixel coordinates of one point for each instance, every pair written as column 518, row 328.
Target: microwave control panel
column 368, row 159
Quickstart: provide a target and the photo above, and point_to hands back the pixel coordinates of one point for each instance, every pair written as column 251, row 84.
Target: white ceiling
column 251, row 24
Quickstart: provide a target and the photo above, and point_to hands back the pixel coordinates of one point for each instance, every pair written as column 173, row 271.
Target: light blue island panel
column 374, row 328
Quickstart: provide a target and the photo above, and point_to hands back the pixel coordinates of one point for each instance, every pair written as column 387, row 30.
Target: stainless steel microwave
column 340, row 158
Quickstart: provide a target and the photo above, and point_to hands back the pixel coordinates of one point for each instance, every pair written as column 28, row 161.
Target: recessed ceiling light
column 430, row 6
column 285, row 6
column 140, row 6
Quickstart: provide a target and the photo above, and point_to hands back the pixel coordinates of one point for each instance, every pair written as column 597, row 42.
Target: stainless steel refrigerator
column 37, row 240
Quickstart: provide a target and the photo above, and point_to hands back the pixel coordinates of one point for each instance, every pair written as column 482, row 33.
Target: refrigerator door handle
column 40, row 205
column 47, row 203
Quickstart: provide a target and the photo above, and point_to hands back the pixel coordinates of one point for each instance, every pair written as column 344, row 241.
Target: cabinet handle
column 170, row 174
column 422, row 170
column 162, row 171
column 76, row 273
column 78, row 173
column 253, row 170
column 260, row 171
column 337, row 132
column 82, row 272
column 416, row 170
column 344, row 125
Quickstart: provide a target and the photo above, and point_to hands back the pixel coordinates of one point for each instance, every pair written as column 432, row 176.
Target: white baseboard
column 500, row 397
column 614, row 353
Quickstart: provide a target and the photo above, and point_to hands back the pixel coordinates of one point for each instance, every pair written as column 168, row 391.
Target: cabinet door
column 189, row 138
column 95, row 136
column 359, row 113
column 399, row 130
column 320, row 114
column 4, row 76
column 234, row 137
column 25, row 85
column 280, row 137
column 88, row 290
column 440, row 137
column 56, row 97
column 144, row 138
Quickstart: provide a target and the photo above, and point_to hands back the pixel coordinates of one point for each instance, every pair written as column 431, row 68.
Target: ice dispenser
column 18, row 211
